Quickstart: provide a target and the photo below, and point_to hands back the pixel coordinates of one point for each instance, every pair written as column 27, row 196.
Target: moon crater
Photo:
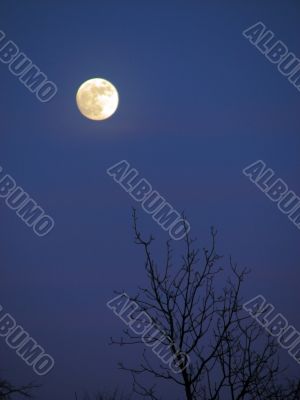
column 97, row 99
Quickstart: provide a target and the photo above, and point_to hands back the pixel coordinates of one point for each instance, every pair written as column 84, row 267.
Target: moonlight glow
column 97, row 99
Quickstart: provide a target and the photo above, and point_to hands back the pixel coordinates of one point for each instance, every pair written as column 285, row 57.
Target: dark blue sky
column 198, row 103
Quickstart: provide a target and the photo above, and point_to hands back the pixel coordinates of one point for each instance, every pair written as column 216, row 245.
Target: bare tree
column 198, row 305
column 9, row 391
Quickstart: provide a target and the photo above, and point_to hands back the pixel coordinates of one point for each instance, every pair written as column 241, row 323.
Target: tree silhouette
column 228, row 355
column 8, row 390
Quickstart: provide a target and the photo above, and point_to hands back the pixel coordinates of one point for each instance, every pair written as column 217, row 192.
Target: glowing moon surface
column 97, row 99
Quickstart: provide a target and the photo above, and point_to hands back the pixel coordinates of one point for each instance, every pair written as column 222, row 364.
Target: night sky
column 198, row 103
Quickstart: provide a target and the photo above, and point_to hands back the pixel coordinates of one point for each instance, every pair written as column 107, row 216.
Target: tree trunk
column 188, row 392
column 187, row 386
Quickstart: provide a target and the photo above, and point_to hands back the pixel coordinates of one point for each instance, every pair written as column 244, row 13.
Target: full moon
column 97, row 99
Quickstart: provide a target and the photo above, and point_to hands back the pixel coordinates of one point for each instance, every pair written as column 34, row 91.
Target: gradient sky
column 198, row 103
